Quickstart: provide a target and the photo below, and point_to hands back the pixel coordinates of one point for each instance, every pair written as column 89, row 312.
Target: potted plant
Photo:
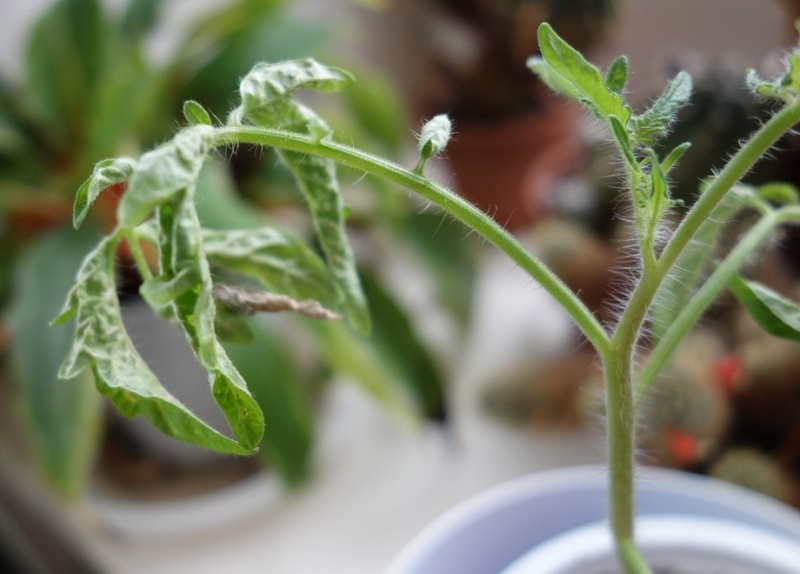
column 675, row 275
column 64, row 115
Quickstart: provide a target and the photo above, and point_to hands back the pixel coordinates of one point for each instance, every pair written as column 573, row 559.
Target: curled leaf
column 106, row 173
column 121, row 374
column 266, row 101
column 163, row 172
column 279, row 261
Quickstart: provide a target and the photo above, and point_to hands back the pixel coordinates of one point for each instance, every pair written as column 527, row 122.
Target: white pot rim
column 668, row 541
column 525, row 512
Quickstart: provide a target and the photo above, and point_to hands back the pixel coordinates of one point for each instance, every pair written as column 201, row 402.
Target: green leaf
column 140, row 17
column 280, row 390
column 379, row 110
column 617, row 75
column 106, row 173
column 779, row 193
column 775, row 314
column 655, row 121
column 64, row 417
column 279, row 261
column 231, row 327
column 397, row 342
column 433, row 139
column 354, row 357
column 65, row 60
column 623, row 140
column 672, row 157
column 576, row 77
column 196, row 114
column 121, row 374
column 659, row 200
column 266, row 101
column 163, row 172
column 181, row 256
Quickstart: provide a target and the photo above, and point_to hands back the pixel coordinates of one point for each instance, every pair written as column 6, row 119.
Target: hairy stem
column 747, row 156
column 706, row 295
column 453, row 204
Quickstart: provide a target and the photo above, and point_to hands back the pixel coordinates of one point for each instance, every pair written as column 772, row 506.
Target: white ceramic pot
column 488, row 533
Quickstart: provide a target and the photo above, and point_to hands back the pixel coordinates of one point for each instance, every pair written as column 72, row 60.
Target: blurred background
column 472, row 375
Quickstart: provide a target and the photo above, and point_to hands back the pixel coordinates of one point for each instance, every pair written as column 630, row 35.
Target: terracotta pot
column 507, row 168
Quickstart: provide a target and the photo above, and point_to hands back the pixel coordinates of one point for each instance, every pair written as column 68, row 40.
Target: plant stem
column 453, row 204
column 706, row 295
column 747, row 156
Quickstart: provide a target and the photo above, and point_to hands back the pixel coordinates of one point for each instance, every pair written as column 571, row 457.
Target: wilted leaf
column 277, row 260
column 106, row 173
column 102, row 344
column 163, row 172
column 266, row 101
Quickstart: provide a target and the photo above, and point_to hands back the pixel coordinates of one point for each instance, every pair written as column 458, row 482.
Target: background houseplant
column 162, row 182
column 523, row 138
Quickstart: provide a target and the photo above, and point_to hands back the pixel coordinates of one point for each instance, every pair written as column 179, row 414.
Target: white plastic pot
column 682, row 544
column 488, row 533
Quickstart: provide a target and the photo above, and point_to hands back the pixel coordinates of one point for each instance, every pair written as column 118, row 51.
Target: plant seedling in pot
column 675, row 273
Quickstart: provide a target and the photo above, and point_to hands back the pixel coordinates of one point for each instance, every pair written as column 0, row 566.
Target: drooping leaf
column 277, row 260
column 162, row 173
column 266, row 94
column 572, row 75
column 183, row 266
column 102, row 344
column 281, row 392
column 64, row 417
column 106, row 173
column 655, row 121
column 776, row 314
column 400, row 346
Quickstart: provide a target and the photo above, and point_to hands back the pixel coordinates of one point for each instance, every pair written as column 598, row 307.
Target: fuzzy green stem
column 453, row 204
column 706, row 295
column 621, row 433
column 747, row 156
